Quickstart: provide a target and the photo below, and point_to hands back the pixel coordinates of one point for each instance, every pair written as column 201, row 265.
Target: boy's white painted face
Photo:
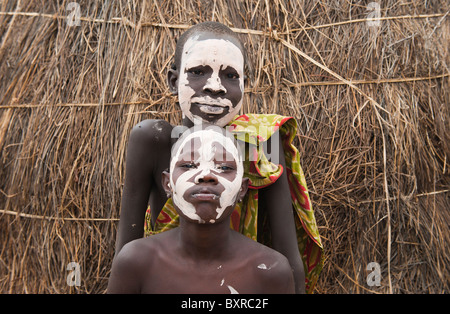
column 211, row 80
column 205, row 175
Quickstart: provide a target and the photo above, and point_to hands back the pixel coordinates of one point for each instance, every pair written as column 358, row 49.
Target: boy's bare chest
column 211, row 279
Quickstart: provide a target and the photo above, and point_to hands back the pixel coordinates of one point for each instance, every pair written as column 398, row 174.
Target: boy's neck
column 205, row 241
column 188, row 123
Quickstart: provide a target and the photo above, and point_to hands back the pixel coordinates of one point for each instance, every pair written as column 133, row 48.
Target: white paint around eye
column 205, row 166
column 218, row 54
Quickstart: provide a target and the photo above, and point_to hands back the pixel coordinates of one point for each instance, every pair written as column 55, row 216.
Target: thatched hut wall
column 371, row 98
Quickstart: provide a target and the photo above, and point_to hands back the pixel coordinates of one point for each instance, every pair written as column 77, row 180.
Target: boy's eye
column 196, row 72
column 224, row 167
column 232, row 76
column 189, row 166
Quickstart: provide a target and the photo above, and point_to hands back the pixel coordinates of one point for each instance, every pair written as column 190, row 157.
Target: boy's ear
column 243, row 189
column 165, row 181
column 172, row 81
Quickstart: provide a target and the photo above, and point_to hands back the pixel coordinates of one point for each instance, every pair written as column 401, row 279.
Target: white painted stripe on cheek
column 181, row 186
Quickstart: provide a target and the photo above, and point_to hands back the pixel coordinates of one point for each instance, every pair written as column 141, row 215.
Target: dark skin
column 200, row 257
column 148, row 154
column 165, row 263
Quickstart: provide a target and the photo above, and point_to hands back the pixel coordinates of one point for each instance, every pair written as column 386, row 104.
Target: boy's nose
column 214, row 86
column 206, row 177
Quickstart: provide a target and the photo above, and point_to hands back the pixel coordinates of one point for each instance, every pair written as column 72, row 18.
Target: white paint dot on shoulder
column 262, row 266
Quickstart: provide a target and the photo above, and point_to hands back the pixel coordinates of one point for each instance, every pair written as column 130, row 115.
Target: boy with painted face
column 199, row 159
column 211, row 84
column 202, row 255
column 208, row 78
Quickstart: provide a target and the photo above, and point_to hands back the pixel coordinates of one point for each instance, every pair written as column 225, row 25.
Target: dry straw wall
column 371, row 98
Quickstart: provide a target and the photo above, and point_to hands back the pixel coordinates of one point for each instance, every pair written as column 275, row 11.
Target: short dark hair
column 208, row 27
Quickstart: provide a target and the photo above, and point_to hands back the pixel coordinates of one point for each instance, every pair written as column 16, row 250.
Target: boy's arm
column 136, row 189
column 278, row 203
column 144, row 148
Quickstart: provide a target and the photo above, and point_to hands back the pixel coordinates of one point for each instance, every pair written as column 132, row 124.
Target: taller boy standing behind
column 208, row 77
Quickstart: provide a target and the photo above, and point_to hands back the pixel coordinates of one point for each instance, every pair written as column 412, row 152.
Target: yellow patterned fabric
column 256, row 129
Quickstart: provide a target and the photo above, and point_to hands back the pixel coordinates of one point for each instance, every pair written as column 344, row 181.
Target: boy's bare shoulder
column 271, row 268
column 133, row 257
column 275, row 272
column 152, row 131
column 127, row 267
column 142, row 251
column 133, row 263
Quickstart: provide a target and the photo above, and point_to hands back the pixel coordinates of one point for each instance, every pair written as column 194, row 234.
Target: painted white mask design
column 217, row 55
column 208, row 161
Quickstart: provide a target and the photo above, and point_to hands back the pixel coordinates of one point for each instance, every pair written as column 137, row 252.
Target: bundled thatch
column 371, row 98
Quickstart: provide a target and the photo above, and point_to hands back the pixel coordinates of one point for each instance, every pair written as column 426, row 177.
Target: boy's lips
column 211, row 108
column 205, row 194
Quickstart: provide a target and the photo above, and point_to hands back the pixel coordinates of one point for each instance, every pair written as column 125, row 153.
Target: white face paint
column 207, row 162
column 218, row 54
column 265, row 267
column 232, row 290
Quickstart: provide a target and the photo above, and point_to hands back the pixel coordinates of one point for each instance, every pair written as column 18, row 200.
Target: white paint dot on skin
column 221, row 283
column 262, row 266
column 232, row 290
